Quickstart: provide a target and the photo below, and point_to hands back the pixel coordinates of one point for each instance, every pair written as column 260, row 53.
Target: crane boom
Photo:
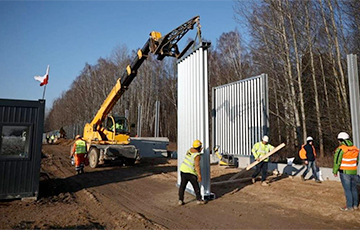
column 156, row 44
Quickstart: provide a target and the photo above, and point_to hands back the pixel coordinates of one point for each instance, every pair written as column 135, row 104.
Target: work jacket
column 188, row 165
column 346, row 158
column 80, row 146
column 307, row 152
column 260, row 149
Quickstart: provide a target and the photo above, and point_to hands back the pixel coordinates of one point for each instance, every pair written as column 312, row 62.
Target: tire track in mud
column 125, row 198
column 116, row 196
column 111, row 213
column 88, row 202
column 168, row 215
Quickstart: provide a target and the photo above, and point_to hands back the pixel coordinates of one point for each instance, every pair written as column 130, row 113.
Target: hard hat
column 265, row 138
column 77, row 136
column 343, row 136
column 197, row 144
column 309, row 138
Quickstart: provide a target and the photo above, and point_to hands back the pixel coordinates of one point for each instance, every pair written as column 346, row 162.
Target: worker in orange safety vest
column 308, row 154
column 346, row 159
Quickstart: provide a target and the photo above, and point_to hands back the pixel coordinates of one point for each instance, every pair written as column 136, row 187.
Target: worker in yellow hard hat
column 190, row 171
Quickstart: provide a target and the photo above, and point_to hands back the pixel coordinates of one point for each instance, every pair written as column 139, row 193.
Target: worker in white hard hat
column 79, row 153
column 308, row 154
column 346, row 159
column 190, row 172
column 258, row 150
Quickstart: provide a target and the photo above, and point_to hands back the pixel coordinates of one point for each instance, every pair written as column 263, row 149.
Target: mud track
column 144, row 196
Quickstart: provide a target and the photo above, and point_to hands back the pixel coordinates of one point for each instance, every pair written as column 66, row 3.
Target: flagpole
column 44, row 92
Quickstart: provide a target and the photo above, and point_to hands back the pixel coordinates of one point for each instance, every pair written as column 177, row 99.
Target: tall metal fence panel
column 240, row 115
column 193, row 111
column 353, row 75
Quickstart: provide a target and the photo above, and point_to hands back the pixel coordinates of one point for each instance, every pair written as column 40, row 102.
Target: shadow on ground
column 32, row 225
column 103, row 175
column 232, row 187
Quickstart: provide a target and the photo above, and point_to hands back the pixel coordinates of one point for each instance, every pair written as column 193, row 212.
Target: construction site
column 99, row 169
column 144, row 196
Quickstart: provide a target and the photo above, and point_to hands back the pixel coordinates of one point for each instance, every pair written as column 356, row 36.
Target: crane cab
column 117, row 129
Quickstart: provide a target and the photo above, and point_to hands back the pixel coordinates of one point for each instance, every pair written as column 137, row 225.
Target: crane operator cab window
column 120, row 125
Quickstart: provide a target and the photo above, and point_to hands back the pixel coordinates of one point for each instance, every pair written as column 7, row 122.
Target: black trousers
column 262, row 166
column 185, row 178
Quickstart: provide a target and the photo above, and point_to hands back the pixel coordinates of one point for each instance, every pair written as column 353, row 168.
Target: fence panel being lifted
column 193, row 111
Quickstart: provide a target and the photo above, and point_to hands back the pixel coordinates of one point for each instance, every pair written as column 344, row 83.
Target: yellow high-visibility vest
column 188, row 165
column 259, row 150
column 80, row 147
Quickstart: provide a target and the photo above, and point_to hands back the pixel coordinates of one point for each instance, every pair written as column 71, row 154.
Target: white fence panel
column 193, row 122
column 240, row 115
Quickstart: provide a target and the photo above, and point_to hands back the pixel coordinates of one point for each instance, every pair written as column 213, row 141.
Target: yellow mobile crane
column 108, row 135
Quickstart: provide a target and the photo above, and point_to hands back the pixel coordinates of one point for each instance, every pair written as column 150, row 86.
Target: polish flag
column 43, row 79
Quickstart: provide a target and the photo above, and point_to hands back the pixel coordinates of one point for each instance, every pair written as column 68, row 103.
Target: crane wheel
column 94, row 157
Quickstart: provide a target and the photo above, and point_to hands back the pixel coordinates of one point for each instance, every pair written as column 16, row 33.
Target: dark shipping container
column 21, row 128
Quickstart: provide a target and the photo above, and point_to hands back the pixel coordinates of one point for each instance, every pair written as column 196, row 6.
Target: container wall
column 21, row 128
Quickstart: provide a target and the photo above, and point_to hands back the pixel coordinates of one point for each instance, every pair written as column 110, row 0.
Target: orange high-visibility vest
column 302, row 152
column 349, row 159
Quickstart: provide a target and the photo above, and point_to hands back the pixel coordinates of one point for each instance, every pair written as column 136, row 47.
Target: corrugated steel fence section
column 192, row 111
column 240, row 115
column 21, row 127
column 353, row 76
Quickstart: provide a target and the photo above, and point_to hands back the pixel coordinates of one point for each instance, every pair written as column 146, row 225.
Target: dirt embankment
column 144, row 197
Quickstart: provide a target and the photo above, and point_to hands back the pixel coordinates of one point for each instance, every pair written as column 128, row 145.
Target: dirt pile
column 64, row 142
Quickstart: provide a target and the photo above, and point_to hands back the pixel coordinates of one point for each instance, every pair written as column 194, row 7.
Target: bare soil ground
column 144, row 196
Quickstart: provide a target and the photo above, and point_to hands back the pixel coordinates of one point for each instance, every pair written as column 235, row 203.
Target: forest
column 301, row 45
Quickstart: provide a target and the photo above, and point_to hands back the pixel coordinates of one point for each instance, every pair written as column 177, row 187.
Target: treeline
column 156, row 81
column 301, row 45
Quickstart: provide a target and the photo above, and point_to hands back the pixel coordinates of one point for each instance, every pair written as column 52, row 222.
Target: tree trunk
column 298, row 72
column 289, row 71
column 316, row 96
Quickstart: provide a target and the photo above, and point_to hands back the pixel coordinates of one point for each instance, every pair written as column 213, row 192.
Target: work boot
column 346, row 209
column 180, row 202
column 264, row 183
column 253, row 180
column 201, row 202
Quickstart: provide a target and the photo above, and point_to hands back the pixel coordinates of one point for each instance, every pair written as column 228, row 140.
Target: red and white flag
column 43, row 79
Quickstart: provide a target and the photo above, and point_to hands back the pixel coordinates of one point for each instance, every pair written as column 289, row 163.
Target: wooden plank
column 277, row 148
